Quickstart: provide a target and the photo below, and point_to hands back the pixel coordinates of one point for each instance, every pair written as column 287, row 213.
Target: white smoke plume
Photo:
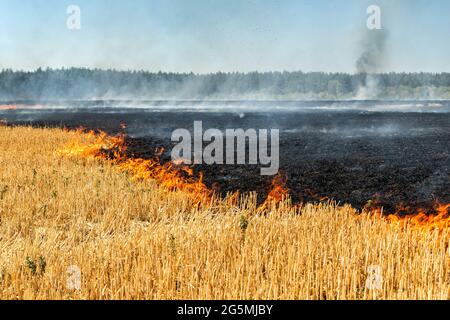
column 372, row 60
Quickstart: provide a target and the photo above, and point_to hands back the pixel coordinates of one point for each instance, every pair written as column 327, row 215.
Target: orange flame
column 440, row 220
column 420, row 220
column 278, row 193
column 113, row 149
column 177, row 176
column 5, row 107
column 279, row 190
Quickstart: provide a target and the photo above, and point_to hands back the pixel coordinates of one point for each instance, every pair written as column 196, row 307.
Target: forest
column 83, row 83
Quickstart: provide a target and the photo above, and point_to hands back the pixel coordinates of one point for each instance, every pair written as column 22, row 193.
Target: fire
column 279, row 190
column 420, row 219
column 101, row 145
column 168, row 176
column 113, row 149
column 440, row 220
column 278, row 193
column 5, row 107
column 180, row 177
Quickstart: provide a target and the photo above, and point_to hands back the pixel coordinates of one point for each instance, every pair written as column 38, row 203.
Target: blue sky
column 228, row 35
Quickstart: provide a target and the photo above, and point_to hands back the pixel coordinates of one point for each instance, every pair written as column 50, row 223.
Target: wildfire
column 179, row 176
column 440, row 220
column 278, row 193
column 100, row 145
column 113, row 149
column 5, row 107
column 419, row 219
column 279, row 190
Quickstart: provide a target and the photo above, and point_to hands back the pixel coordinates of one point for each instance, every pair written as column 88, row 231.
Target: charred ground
column 392, row 159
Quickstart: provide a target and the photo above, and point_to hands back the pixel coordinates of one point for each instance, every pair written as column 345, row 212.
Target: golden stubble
column 134, row 239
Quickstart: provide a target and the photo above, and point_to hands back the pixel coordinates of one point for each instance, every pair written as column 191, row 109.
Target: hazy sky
column 227, row 35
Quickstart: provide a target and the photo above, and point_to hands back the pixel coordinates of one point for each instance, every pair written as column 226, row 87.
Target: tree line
column 82, row 83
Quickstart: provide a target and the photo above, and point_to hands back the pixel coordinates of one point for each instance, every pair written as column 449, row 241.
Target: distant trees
column 81, row 83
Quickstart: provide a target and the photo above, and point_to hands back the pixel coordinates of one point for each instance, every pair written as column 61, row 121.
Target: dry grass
column 134, row 240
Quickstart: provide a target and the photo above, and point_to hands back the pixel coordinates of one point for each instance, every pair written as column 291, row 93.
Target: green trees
column 81, row 83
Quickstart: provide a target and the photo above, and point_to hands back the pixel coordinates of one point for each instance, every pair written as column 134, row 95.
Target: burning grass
column 140, row 229
column 169, row 176
column 12, row 107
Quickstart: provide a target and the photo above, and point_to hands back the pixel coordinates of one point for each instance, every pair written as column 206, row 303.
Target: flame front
column 440, row 220
column 277, row 194
column 279, row 190
column 177, row 176
column 5, row 107
column 113, row 149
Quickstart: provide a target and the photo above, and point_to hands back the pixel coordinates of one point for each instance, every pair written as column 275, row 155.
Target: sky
column 204, row 36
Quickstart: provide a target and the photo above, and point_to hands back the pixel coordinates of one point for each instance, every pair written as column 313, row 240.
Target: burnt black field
column 391, row 153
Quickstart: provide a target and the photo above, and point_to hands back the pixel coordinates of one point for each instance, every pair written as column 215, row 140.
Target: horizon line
column 46, row 69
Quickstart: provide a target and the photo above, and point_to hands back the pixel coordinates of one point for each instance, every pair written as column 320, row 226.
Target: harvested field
column 134, row 238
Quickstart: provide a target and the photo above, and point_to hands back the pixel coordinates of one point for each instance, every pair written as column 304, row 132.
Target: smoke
column 373, row 56
column 370, row 89
column 372, row 60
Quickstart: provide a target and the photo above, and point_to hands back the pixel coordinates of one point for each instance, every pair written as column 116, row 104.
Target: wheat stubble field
column 136, row 239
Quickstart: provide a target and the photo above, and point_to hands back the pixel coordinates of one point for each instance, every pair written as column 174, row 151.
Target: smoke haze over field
column 206, row 36
column 88, row 84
